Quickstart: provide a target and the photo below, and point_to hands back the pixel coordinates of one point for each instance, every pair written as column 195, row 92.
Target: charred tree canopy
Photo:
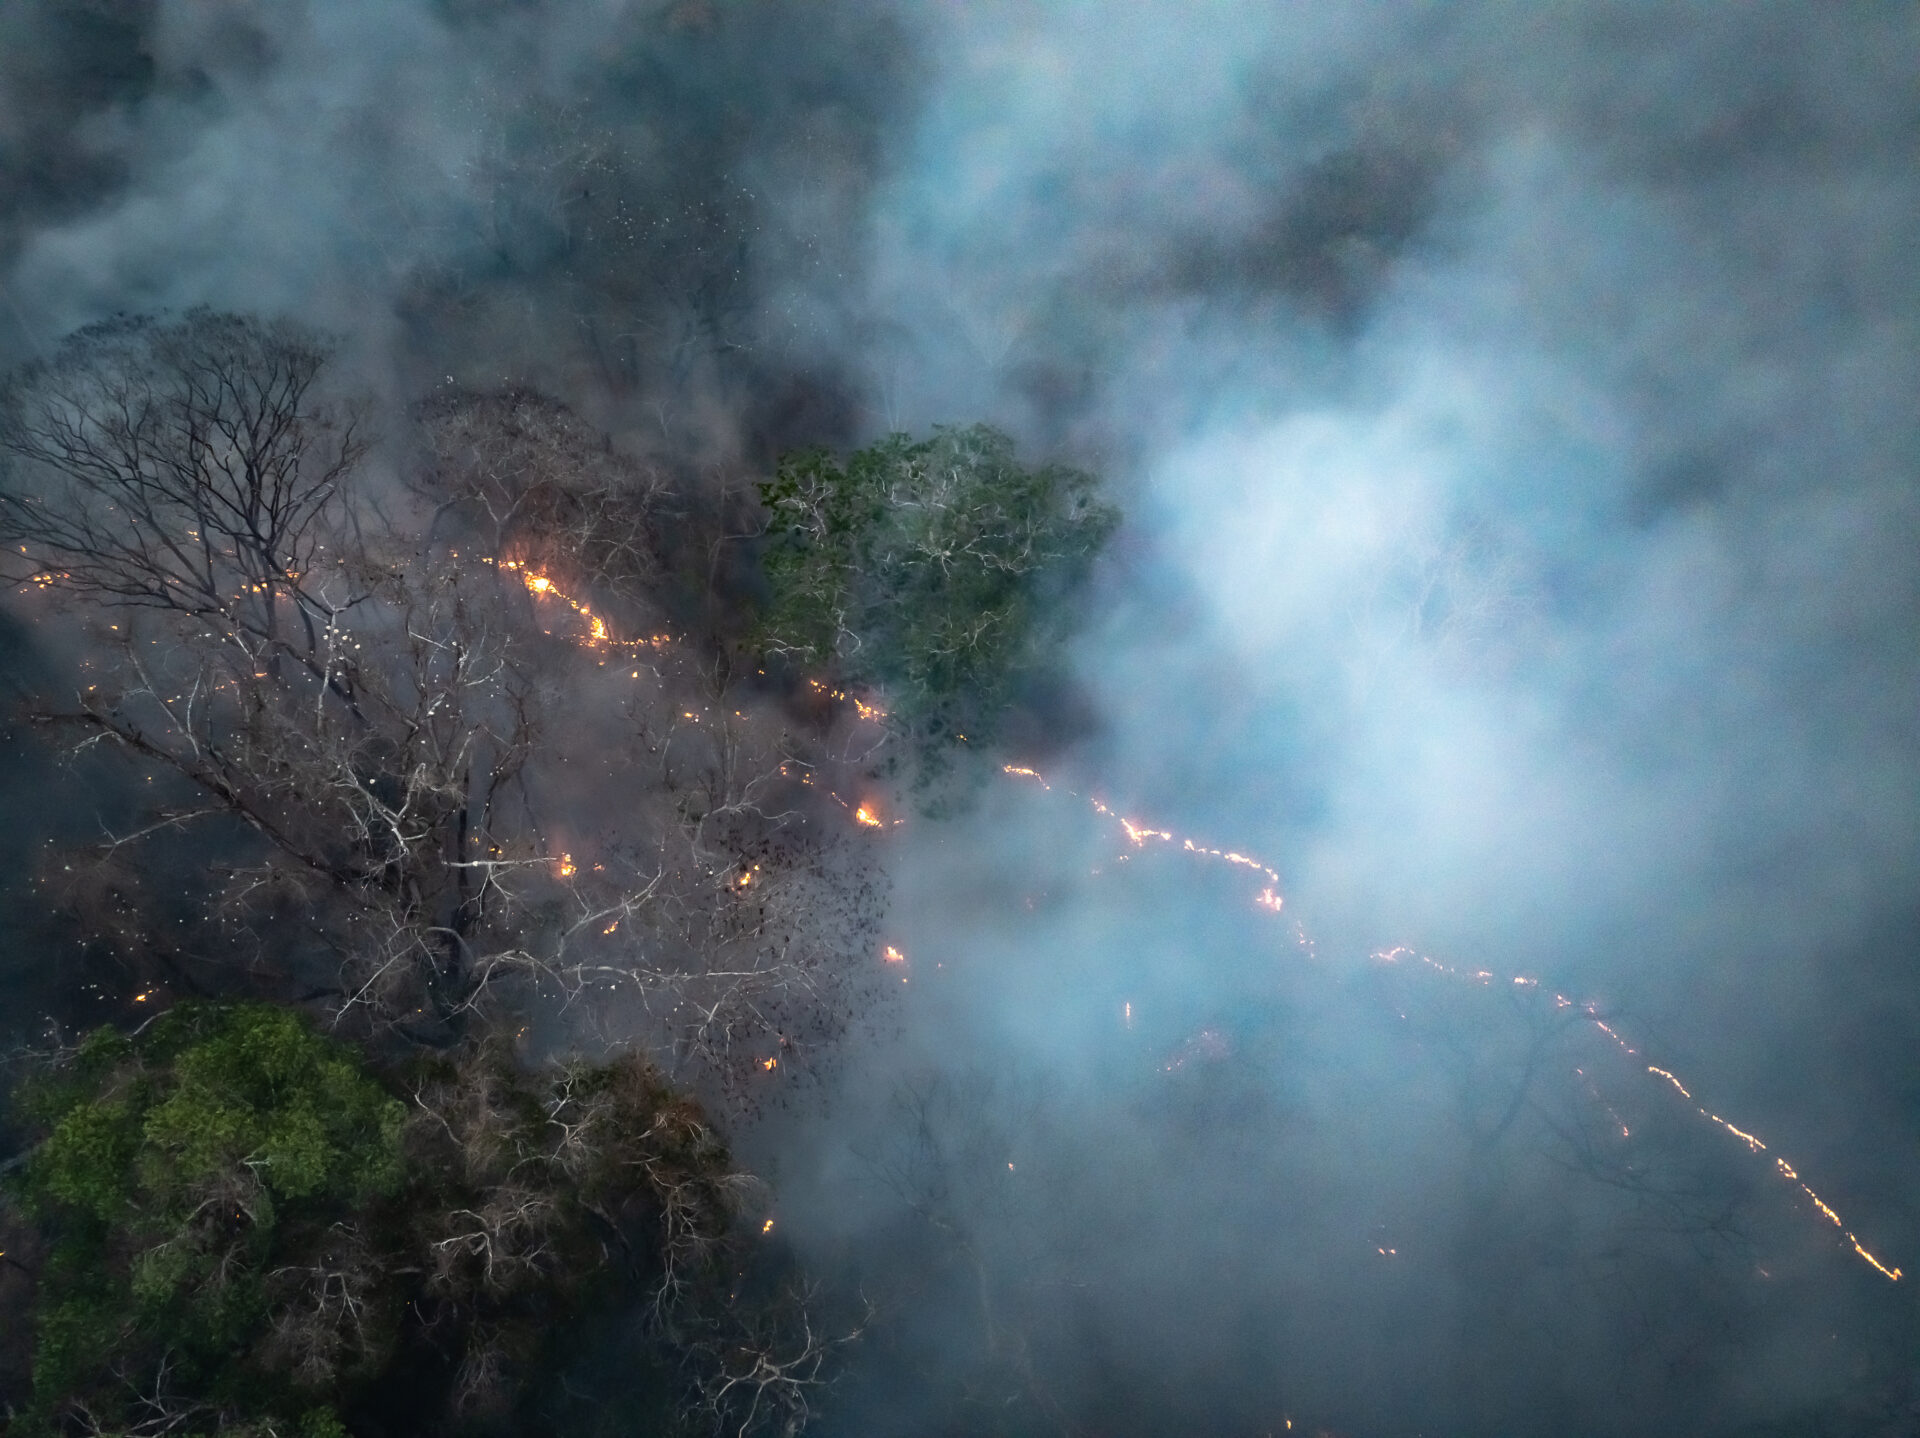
column 400, row 700
column 191, row 465
column 527, row 477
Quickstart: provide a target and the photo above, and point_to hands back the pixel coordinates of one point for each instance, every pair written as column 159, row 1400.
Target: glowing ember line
column 872, row 713
column 1892, row 1273
column 1656, row 1069
column 1269, row 898
column 1748, row 1139
column 541, row 586
column 1598, row 1024
column 1140, row 835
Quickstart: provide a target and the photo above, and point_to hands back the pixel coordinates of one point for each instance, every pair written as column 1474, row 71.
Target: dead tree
column 765, row 1370
column 194, row 467
column 531, row 481
column 393, row 699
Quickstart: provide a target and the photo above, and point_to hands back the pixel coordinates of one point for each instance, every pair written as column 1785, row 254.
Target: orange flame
column 1269, row 898
column 598, row 636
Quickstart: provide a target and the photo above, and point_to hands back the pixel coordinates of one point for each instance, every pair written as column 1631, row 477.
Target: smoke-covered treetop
column 939, row 571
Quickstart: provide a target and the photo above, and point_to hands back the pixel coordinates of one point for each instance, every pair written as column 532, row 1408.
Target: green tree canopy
column 180, row 1168
column 247, row 1233
column 936, row 569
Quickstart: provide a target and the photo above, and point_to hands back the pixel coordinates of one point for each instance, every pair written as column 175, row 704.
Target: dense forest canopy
column 377, row 701
column 249, row 1233
column 933, row 720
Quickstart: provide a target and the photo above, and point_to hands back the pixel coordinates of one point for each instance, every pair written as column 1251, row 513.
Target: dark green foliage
column 935, row 569
column 249, row 1233
column 180, row 1169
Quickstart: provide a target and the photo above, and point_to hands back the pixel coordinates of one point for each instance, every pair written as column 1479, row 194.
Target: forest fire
column 1464, row 458
column 598, row 636
column 871, row 713
column 1137, row 834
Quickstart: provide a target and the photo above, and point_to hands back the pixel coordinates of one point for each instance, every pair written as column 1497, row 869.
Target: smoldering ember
column 928, row 718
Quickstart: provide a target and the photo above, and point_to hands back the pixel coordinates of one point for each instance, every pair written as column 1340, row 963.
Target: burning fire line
column 1139, row 835
column 872, row 713
column 541, row 586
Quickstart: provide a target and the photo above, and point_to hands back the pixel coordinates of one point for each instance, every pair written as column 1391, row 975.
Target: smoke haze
column 1514, row 411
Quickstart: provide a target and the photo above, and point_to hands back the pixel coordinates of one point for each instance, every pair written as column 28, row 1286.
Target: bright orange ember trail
column 1137, row 834
column 597, row 636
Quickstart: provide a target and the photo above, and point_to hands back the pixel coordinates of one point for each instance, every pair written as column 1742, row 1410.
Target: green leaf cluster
column 247, row 1233
column 181, row 1166
column 936, row 569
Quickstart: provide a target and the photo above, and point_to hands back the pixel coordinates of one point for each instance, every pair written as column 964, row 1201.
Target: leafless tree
column 766, row 1372
column 949, row 1161
column 552, row 1178
column 195, row 467
column 395, row 699
column 527, row 478
column 327, row 1321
